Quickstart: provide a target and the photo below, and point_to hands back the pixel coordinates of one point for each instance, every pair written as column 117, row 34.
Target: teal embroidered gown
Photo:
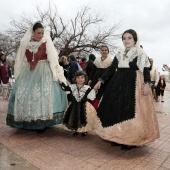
column 37, row 101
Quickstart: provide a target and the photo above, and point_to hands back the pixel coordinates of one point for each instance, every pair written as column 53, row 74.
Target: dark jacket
column 72, row 70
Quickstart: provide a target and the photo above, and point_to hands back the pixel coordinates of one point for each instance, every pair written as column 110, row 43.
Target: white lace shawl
column 52, row 57
column 79, row 94
column 142, row 59
column 103, row 64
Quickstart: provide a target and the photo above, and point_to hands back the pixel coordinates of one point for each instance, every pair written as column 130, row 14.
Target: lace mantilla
column 125, row 57
column 79, row 93
column 52, row 57
column 34, row 45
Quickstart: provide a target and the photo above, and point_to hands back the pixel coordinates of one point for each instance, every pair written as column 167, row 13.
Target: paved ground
column 57, row 149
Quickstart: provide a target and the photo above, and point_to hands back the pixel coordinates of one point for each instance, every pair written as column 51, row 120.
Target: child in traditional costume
column 80, row 114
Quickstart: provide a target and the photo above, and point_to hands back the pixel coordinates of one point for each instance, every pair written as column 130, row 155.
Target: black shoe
column 75, row 133
column 162, row 101
column 84, row 134
column 126, row 147
column 115, row 144
column 41, row 130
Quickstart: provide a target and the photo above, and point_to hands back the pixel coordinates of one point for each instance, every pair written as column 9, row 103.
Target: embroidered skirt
column 79, row 117
column 133, row 124
column 37, row 101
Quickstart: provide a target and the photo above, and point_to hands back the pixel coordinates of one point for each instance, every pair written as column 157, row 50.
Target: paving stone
column 57, row 149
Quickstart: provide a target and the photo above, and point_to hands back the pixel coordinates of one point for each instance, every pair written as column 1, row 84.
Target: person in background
column 90, row 65
column 154, row 78
column 63, row 61
column 160, row 88
column 4, row 77
column 101, row 64
column 73, row 68
column 83, row 62
column 10, row 71
column 126, row 114
column 37, row 100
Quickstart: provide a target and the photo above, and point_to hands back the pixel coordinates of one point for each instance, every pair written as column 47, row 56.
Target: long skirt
column 79, row 120
column 135, row 128
column 37, row 101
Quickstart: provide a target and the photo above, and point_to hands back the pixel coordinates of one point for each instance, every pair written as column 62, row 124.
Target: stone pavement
column 56, row 149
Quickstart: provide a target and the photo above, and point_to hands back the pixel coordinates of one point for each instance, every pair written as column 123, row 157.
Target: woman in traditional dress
column 37, row 100
column 126, row 114
column 101, row 64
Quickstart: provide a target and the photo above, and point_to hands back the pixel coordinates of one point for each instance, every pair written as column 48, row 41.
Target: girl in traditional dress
column 126, row 114
column 80, row 114
column 37, row 100
column 101, row 64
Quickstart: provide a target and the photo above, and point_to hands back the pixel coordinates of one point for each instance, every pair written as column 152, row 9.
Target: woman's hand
column 97, row 86
column 146, row 89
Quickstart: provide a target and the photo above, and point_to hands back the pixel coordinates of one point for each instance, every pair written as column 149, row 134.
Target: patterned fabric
column 90, row 119
column 124, row 57
column 118, row 102
column 78, row 93
column 52, row 57
column 103, row 63
column 38, row 54
column 36, row 97
column 142, row 129
column 79, row 111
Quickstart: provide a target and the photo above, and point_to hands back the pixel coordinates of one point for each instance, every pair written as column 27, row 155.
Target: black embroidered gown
column 125, row 115
column 80, row 114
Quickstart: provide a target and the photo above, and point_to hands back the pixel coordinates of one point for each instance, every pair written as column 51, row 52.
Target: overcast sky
column 150, row 19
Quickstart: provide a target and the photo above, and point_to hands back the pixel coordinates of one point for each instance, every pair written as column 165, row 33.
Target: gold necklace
column 124, row 57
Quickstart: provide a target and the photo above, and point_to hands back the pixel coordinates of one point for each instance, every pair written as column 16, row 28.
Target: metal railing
column 6, row 89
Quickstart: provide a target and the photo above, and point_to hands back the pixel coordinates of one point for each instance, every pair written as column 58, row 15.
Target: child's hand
column 97, row 86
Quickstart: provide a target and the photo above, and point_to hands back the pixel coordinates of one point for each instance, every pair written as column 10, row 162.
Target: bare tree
column 8, row 45
column 81, row 35
column 166, row 68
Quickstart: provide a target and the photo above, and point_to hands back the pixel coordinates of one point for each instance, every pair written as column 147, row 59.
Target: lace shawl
column 142, row 59
column 103, row 64
column 52, row 57
column 79, row 94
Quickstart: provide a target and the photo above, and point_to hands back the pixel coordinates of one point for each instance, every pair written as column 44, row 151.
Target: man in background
column 154, row 78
